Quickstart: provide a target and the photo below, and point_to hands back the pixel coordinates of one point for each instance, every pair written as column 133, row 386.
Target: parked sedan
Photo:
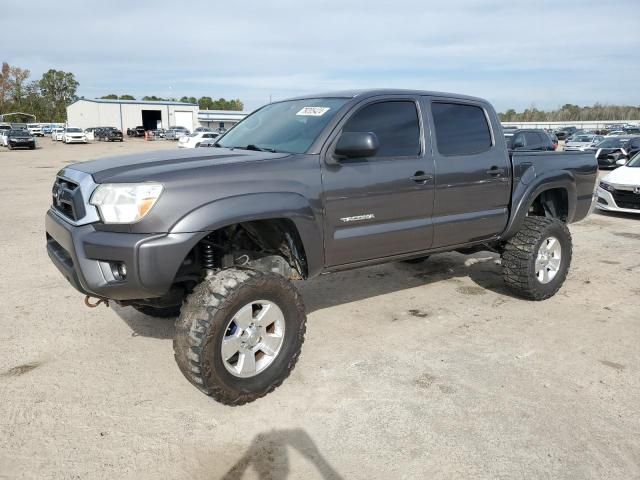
column 57, row 134
column 35, row 129
column 74, row 135
column 4, row 136
column 529, row 139
column 565, row 133
column 174, row 133
column 109, row 134
column 610, row 150
column 136, row 132
column 194, row 140
column 620, row 190
column 582, row 143
column 20, row 139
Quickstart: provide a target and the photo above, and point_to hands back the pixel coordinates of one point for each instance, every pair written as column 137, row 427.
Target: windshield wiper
column 251, row 146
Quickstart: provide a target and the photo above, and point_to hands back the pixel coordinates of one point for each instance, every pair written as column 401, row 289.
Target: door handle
column 420, row 177
column 496, row 172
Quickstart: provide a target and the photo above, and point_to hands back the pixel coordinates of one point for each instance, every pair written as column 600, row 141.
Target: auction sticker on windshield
column 313, row 111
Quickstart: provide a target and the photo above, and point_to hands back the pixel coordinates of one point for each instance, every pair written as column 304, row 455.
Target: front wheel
column 535, row 262
column 239, row 334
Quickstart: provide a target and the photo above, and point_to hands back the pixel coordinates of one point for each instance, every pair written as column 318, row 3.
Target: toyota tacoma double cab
column 299, row 188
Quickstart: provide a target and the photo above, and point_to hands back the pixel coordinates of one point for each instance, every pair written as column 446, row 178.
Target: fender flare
column 261, row 206
column 524, row 196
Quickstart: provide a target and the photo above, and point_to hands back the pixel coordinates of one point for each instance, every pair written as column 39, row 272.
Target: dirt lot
column 408, row 371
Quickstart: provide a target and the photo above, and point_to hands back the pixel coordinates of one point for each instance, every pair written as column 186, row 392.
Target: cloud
column 514, row 53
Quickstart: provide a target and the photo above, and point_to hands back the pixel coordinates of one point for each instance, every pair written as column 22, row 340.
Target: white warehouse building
column 124, row 114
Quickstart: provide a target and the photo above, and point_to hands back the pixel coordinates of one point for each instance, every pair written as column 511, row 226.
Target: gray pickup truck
column 299, row 188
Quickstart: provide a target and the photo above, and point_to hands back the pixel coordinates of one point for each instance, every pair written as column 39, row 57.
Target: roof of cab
column 384, row 91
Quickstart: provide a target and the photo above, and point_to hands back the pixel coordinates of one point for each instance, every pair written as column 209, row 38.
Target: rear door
column 379, row 206
column 473, row 172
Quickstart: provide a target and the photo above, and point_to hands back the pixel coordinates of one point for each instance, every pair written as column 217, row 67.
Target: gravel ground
column 408, row 371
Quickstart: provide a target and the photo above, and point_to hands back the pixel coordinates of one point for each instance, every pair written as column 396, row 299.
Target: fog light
column 119, row 270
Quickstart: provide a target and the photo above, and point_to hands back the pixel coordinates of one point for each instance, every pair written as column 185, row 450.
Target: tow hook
column 87, row 301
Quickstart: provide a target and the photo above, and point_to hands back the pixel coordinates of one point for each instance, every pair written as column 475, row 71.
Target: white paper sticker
column 313, row 111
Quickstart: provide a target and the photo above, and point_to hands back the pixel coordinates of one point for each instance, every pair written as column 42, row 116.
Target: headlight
column 606, row 186
column 125, row 202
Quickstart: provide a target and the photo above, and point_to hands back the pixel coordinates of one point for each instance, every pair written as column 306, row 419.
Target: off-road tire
column 520, row 253
column 158, row 312
column 204, row 317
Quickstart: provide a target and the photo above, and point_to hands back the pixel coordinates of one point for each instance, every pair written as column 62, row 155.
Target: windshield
column 74, row 130
column 18, row 133
column 610, row 143
column 634, row 162
column 582, row 138
column 290, row 126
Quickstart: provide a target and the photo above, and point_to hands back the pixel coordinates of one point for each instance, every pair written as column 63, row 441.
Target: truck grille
column 626, row 199
column 67, row 199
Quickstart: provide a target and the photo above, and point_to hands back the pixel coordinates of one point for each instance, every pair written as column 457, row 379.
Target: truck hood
column 156, row 165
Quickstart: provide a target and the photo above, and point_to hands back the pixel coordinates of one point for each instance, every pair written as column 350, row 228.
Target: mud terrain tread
column 194, row 328
column 519, row 254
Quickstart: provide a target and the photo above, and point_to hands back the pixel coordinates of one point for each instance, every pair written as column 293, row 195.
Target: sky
column 515, row 53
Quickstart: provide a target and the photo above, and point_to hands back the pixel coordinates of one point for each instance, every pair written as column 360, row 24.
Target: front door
column 380, row 206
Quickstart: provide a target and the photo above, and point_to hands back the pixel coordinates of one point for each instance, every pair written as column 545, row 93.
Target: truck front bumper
column 91, row 260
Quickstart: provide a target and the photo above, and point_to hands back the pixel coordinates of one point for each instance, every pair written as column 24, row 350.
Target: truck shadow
column 355, row 285
column 268, row 456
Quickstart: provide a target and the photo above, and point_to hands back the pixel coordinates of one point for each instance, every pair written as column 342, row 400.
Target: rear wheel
column 535, row 262
column 239, row 334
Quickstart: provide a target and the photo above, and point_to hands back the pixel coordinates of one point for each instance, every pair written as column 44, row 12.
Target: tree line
column 46, row 98
column 570, row 113
column 204, row 103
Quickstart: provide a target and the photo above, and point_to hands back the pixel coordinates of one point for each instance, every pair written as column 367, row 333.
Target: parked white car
column 74, row 135
column 582, row 142
column 57, row 134
column 620, row 190
column 4, row 139
column 35, row 129
column 194, row 140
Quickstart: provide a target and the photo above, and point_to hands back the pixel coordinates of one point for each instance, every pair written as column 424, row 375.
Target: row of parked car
column 611, row 151
column 619, row 191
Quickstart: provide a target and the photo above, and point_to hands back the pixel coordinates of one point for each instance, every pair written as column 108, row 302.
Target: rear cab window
column 460, row 128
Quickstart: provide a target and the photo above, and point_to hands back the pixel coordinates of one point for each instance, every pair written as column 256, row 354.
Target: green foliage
column 111, row 96
column 206, row 103
column 47, row 98
column 58, row 89
column 127, row 97
column 569, row 113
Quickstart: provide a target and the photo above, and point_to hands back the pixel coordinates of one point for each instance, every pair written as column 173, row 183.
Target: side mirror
column 357, row 145
column 518, row 144
column 622, row 162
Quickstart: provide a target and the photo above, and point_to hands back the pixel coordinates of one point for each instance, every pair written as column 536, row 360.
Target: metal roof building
column 220, row 119
column 123, row 114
